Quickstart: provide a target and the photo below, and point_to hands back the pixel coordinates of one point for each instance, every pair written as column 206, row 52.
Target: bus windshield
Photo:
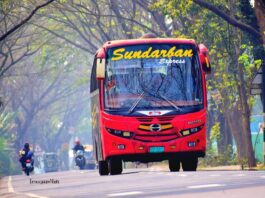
column 150, row 77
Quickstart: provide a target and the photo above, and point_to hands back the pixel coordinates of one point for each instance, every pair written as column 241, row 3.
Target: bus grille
column 146, row 119
column 156, row 137
column 161, row 119
column 168, row 118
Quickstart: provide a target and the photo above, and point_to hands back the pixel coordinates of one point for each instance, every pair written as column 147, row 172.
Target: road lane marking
column 206, row 186
column 183, row 175
column 215, row 175
column 9, row 185
column 125, row 194
column 11, row 190
column 263, row 176
column 35, row 196
column 239, row 175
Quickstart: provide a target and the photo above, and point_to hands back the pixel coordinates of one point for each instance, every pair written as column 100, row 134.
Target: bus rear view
column 148, row 103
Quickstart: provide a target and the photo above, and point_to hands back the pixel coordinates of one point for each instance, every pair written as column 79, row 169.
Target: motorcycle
column 80, row 159
column 29, row 167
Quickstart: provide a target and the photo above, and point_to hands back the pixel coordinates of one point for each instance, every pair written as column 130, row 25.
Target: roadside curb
column 222, row 168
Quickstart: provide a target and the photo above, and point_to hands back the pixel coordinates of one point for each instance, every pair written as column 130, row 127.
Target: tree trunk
column 260, row 13
column 225, row 136
column 236, row 130
column 245, row 112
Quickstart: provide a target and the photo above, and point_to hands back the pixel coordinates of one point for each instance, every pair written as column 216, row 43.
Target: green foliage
column 173, row 8
column 5, row 125
column 215, row 132
column 214, row 159
column 67, row 37
column 4, row 163
column 2, row 144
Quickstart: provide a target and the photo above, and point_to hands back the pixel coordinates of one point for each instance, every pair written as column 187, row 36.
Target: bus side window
column 94, row 84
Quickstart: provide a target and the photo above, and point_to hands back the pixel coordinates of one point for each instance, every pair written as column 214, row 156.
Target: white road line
column 215, row 175
column 9, row 185
column 183, row 175
column 35, row 196
column 125, row 194
column 239, row 175
column 263, row 176
column 11, row 190
column 206, row 186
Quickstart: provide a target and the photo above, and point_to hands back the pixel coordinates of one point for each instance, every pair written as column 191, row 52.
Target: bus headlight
column 120, row 133
column 190, row 131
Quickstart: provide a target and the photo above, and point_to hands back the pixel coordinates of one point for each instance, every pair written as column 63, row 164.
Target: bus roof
column 116, row 43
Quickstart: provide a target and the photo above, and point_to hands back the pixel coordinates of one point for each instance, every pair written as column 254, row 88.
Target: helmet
column 26, row 145
column 77, row 141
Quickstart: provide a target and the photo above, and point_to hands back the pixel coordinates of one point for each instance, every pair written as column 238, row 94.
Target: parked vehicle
column 89, row 155
column 50, row 162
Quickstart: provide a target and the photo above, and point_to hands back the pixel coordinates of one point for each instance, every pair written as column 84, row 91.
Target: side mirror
column 204, row 58
column 101, row 64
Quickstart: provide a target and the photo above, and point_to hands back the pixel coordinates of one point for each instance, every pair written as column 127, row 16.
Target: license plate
column 156, row 149
column 28, row 165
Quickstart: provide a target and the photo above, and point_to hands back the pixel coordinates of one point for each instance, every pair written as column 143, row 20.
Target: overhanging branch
column 229, row 19
column 13, row 29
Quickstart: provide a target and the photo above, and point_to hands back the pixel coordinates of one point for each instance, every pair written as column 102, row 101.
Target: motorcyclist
column 78, row 146
column 25, row 154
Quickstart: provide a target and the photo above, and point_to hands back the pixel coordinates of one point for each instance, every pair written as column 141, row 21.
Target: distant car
column 90, row 160
column 50, row 162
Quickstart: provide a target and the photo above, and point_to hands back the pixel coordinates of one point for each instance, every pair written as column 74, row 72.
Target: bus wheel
column 174, row 165
column 115, row 166
column 103, row 168
column 189, row 164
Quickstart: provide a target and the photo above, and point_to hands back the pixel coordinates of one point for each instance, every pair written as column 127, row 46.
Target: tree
column 260, row 13
column 45, row 88
column 259, row 9
column 23, row 22
column 223, row 40
column 256, row 33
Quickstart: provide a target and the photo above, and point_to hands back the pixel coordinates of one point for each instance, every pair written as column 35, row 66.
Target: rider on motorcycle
column 25, row 154
column 78, row 146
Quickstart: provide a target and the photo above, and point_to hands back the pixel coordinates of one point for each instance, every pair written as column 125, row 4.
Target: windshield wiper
column 169, row 102
column 136, row 102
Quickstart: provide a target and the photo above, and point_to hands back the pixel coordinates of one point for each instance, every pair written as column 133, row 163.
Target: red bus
column 148, row 103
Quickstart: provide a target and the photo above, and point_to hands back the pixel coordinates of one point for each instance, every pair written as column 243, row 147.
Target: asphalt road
column 148, row 182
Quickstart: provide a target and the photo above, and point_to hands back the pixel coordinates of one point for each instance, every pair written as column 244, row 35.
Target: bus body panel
column 177, row 144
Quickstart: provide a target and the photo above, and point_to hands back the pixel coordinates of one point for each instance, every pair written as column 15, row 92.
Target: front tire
column 103, row 168
column 115, row 166
column 174, row 165
column 27, row 171
column 190, row 164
